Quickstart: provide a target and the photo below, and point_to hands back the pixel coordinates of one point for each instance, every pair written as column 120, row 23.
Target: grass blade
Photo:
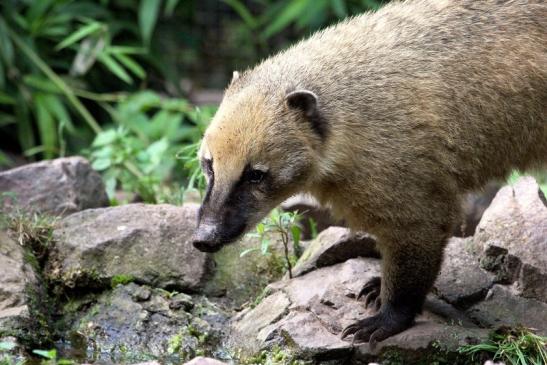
column 114, row 67
column 148, row 16
column 81, row 33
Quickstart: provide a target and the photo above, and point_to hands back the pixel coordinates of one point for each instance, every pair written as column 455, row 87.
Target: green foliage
column 274, row 356
column 302, row 15
column 284, row 224
column 515, row 346
column 154, row 138
column 189, row 343
column 51, row 55
column 121, row 279
column 50, row 357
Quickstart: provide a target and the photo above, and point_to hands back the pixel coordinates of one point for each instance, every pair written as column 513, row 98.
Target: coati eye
column 255, row 176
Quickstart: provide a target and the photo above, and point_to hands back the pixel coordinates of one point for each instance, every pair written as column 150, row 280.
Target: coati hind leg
column 411, row 260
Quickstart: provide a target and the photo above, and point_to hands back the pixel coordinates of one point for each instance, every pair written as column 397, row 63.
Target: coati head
column 259, row 149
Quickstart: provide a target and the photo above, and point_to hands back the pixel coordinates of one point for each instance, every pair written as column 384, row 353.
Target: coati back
column 387, row 118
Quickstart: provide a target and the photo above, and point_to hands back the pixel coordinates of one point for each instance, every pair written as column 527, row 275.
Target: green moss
column 274, row 356
column 121, row 279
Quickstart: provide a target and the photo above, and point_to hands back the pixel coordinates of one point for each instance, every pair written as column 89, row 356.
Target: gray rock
column 421, row 343
column 461, row 281
column 516, row 221
column 59, row 187
column 16, row 274
column 309, row 312
column 149, row 244
column 117, row 322
column 204, row 361
column 502, row 306
column 332, row 246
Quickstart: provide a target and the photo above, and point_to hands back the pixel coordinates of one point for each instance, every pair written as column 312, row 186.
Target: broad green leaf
column 114, row 67
column 6, row 99
column 371, row 4
column 105, row 138
column 59, row 111
column 156, row 151
column 50, row 355
column 170, row 7
column 25, row 131
column 126, row 50
column 148, row 16
column 290, row 13
column 6, row 119
column 46, row 125
column 130, row 64
column 2, row 75
column 6, row 46
column 41, row 83
column 243, row 12
column 101, row 164
column 81, row 33
column 339, row 8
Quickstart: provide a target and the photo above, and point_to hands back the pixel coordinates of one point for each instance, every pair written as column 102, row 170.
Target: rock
column 513, row 235
column 504, row 307
column 58, row 187
column 461, row 281
column 16, row 274
column 148, row 244
column 310, row 208
column 332, row 246
column 116, row 323
column 308, row 313
column 204, row 361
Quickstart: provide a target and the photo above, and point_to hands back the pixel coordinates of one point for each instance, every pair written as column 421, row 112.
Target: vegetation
column 286, row 226
column 514, row 346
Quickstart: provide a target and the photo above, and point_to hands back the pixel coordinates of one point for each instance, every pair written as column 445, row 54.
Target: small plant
column 121, row 280
column 50, row 357
column 33, row 231
column 515, row 346
column 284, row 224
column 188, row 343
column 273, row 356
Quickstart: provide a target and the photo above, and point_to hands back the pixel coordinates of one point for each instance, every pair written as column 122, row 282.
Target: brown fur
column 422, row 100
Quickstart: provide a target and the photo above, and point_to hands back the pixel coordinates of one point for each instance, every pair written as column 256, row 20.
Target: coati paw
column 386, row 323
column 371, row 292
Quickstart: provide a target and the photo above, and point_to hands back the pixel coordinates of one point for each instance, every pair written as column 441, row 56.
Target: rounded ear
column 235, row 76
column 303, row 100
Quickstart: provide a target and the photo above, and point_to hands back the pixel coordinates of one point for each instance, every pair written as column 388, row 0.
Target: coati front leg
column 411, row 260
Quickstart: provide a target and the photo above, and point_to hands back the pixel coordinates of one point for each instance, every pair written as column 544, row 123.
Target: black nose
column 205, row 239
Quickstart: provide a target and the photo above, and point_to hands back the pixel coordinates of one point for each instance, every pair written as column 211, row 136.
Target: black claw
column 371, row 297
column 373, row 284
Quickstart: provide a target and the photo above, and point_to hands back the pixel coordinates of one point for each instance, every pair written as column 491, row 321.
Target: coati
column 387, row 118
